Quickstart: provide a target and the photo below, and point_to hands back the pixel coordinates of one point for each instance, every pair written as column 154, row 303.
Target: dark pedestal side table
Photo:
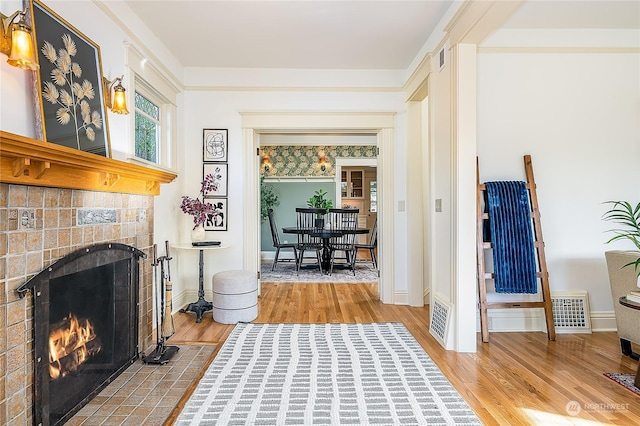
column 200, row 306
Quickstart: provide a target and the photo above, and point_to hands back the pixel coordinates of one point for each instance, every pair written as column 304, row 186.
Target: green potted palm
column 318, row 201
column 627, row 217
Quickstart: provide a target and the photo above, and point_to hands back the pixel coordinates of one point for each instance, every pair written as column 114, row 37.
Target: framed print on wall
column 218, row 221
column 214, row 143
column 69, row 85
column 220, row 175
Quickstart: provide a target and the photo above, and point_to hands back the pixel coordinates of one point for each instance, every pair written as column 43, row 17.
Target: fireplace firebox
column 85, row 327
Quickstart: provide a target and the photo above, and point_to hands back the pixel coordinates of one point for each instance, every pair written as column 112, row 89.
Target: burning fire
column 71, row 342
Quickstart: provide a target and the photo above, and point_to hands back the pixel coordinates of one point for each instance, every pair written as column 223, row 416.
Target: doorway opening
column 293, row 168
column 380, row 124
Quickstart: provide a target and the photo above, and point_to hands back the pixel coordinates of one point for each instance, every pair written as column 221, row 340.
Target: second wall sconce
column 266, row 164
column 118, row 102
column 323, row 163
column 17, row 41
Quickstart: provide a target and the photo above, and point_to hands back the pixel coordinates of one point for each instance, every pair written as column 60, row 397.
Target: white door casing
column 379, row 123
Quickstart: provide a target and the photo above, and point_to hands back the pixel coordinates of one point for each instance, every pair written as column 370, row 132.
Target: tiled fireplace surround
column 25, row 251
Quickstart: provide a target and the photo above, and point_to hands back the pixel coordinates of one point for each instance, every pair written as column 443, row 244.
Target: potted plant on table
column 201, row 210
column 318, row 201
column 628, row 217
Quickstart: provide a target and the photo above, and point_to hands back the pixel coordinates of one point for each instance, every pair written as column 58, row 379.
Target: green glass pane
column 373, row 196
column 146, row 138
column 145, row 105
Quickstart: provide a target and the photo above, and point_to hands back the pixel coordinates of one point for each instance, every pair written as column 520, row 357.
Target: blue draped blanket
column 514, row 260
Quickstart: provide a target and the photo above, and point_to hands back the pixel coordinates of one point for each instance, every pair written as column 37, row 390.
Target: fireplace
column 85, row 311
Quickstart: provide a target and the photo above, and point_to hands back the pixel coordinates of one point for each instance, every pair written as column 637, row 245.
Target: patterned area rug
column 337, row 374
column 625, row 380
column 286, row 272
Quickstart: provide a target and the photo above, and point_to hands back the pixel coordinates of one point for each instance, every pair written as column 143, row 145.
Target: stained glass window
column 147, row 128
column 373, row 194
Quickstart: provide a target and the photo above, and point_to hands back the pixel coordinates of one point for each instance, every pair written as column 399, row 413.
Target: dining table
column 325, row 234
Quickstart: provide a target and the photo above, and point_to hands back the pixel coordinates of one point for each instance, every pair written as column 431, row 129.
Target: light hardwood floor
column 516, row 379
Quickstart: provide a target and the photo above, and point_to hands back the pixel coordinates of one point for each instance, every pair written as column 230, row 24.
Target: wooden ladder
column 542, row 274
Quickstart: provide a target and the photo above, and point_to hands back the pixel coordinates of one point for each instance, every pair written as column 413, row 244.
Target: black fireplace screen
column 85, row 327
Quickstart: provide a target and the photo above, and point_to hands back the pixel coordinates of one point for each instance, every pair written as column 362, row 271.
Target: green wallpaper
column 303, row 160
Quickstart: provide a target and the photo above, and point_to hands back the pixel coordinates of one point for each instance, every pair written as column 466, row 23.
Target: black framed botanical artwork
column 220, row 173
column 215, row 145
column 69, row 85
column 218, row 220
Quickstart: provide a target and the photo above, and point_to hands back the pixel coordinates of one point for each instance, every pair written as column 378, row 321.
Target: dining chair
column 343, row 224
column 306, row 224
column 372, row 245
column 279, row 245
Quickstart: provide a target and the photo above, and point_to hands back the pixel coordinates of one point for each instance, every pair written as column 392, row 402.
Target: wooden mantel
column 26, row 161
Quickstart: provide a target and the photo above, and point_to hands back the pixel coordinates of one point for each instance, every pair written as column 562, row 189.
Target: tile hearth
column 145, row 394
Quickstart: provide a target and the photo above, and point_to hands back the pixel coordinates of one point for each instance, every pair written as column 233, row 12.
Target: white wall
column 578, row 116
column 440, row 118
column 221, row 109
column 16, row 106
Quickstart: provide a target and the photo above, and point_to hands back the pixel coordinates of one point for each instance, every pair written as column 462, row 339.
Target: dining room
column 332, row 171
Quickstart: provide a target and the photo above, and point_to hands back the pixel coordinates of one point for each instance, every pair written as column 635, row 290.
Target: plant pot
column 319, row 223
column 198, row 234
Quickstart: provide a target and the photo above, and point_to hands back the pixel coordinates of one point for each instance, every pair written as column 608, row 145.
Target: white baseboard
column 511, row 320
column 603, row 321
column 270, row 255
column 523, row 320
column 183, row 299
column 500, row 320
column 401, row 298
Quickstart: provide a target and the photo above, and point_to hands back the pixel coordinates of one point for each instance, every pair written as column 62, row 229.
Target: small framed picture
column 214, row 143
column 217, row 221
column 220, row 175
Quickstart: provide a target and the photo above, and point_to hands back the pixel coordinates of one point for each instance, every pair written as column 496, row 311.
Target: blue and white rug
column 332, row 374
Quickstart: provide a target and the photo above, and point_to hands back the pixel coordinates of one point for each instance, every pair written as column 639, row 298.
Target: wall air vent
column 439, row 324
column 571, row 312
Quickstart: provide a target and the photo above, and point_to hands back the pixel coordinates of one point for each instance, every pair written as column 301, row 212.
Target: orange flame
column 68, row 345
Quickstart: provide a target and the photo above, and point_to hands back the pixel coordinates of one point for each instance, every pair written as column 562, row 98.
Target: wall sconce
column 17, row 42
column 323, row 164
column 119, row 104
column 266, row 164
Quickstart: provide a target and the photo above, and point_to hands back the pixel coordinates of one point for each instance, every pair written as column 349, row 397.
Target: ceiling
column 332, row 34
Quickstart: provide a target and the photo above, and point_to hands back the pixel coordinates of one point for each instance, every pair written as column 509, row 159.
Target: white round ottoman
column 235, row 297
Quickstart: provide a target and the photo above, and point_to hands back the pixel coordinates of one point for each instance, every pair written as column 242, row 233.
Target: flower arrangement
column 202, row 210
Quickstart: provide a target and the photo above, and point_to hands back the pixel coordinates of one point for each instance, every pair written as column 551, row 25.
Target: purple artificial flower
column 200, row 209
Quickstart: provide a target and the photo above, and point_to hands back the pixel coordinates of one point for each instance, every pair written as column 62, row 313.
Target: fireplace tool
column 168, row 327
column 162, row 353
